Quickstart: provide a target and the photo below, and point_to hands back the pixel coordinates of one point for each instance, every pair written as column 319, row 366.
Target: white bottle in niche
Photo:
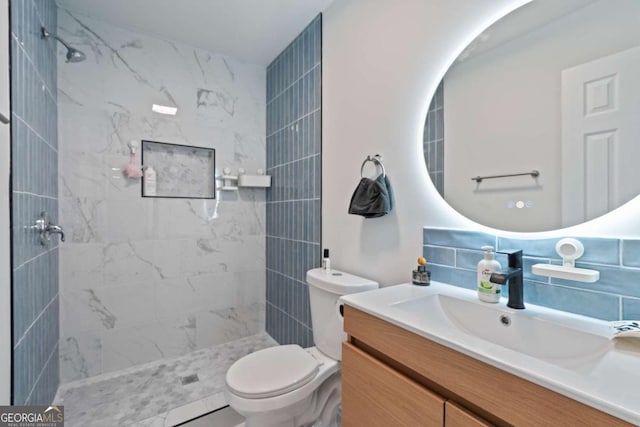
column 149, row 181
column 487, row 290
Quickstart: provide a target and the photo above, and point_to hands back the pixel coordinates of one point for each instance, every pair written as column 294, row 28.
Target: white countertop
column 608, row 380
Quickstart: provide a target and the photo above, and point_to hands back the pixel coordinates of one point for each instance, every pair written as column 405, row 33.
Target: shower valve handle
column 45, row 228
column 56, row 229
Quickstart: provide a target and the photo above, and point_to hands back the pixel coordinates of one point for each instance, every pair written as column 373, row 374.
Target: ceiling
column 253, row 31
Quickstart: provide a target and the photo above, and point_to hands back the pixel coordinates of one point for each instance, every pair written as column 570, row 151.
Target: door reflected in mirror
column 551, row 87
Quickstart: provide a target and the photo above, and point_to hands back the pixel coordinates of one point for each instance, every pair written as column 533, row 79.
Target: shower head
column 73, row 54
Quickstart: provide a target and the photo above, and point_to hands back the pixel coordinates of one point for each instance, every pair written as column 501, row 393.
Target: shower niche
column 178, row 171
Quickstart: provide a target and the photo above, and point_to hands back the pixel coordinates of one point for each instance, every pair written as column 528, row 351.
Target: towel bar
column 377, row 160
column 534, row 174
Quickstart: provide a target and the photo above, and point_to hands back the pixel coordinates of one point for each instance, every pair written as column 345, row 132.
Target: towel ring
column 377, row 161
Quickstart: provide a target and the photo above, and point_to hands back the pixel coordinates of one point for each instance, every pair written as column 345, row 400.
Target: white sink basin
column 525, row 332
column 564, row 352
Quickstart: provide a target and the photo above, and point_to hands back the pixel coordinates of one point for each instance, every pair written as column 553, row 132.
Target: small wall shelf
column 257, row 181
column 234, row 182
column 567, row 273
column 569, row 250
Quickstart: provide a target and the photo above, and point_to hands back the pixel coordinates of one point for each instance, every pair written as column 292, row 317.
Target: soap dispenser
column 487, row 290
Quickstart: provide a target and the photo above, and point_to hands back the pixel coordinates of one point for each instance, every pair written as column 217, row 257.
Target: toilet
column 287, row 385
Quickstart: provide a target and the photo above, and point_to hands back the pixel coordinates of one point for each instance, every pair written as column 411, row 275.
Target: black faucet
column 513, row 276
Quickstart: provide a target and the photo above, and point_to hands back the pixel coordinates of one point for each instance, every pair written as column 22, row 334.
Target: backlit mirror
column 551, row 94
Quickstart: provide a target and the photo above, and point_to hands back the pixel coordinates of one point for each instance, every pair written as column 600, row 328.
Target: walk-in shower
column 140, row 311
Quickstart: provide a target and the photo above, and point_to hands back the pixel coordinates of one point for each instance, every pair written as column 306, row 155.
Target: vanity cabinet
column 374, row 394
column 456, row 416
column 377, row 395
column 392, row 377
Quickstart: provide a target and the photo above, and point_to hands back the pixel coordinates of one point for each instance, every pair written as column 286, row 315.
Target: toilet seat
column 299, row 397
column 271, row 372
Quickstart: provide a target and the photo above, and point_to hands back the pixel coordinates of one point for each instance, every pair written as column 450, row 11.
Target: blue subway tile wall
column 433, row 139
column 34, row 180
column 293, row 202
column 454, row 254
column 631, row 309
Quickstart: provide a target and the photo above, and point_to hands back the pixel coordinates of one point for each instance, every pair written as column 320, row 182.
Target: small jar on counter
column 421, row 276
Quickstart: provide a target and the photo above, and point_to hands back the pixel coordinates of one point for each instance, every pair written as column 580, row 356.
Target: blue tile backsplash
column 34, row 180
column 293, row 201
column 453, row 256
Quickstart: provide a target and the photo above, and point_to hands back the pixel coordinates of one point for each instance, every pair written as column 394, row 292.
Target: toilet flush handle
column 340, row 310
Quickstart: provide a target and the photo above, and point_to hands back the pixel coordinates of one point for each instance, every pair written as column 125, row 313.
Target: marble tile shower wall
column 34, row 189
column 144, row 278
column 454, row 254
column 293, row 202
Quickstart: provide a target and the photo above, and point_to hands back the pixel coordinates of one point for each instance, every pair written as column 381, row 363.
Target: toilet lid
column 271, row 372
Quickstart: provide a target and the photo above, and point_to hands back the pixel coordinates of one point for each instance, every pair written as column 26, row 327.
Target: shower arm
column 46, row 34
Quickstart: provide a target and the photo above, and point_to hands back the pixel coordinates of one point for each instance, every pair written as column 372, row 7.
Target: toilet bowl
column 281, row 396
column 290, row 386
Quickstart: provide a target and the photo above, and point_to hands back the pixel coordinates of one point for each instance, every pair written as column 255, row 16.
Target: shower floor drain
column 189, row 379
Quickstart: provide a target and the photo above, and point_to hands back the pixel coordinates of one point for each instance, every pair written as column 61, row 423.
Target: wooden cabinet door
column 373, row 394
column 457, row 416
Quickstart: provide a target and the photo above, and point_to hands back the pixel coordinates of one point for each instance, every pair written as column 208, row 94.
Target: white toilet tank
column 325, row 287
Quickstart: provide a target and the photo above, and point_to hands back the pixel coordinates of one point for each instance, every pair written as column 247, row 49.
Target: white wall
column 381, row 63
column 143, row 278
column 516, row 87
column 5, row 157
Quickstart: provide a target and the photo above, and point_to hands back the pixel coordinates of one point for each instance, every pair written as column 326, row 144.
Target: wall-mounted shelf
column 234, row 182
column 569, row 250
column 567, row 273
column 257, row 181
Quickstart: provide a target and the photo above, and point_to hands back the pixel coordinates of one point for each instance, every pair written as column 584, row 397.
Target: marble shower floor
column 152, row 395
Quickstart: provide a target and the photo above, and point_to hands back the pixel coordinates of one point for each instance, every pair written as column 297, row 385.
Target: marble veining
column 106, row 317
column 115, row 52
column 152, row 394
column 210, row 98
column 148, row 278
column 72, row 356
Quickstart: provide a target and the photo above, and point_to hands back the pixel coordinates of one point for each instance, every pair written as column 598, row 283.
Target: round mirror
column 535, row 126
